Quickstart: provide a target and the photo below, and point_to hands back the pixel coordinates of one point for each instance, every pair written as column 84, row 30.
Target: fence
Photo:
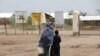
column 90, row 24
column 85, row 25
column 13, row 28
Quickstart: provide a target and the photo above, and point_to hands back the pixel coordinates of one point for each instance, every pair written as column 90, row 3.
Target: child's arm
column 59, row 39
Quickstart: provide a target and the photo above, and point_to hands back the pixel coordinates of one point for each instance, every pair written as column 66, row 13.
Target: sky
column 49, row 5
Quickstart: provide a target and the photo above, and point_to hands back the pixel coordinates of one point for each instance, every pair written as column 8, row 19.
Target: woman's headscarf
column 47, row 35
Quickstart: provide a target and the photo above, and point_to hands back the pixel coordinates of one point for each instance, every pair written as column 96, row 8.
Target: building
column 5, row 17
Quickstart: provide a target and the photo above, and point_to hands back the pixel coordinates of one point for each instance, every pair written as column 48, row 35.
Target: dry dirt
column 26, row 45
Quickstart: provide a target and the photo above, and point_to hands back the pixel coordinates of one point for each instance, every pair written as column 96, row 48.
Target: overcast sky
column 49, row 5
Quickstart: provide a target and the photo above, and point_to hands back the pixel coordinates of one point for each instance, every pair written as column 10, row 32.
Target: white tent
column 5, row 15
column 89, row 18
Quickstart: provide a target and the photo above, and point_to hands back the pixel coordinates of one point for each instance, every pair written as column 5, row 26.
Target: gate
column 90, row 25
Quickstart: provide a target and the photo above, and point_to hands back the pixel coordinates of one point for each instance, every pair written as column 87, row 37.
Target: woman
column 46, row 39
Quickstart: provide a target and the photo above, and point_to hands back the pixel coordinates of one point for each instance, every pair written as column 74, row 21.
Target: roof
column 51, row 14
column 85, row 18
column 88, row 18
column 65, row 15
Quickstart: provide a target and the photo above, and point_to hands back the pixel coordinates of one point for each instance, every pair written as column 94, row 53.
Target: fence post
column 5, row 26
column 15, row 24
column 76, row 23
column 23, row 26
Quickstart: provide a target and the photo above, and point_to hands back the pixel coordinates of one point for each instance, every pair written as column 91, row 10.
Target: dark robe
column 55, row 50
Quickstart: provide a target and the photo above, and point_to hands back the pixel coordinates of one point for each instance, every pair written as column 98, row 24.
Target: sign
column 59, row 18
column 36, row 18
column 20, row 16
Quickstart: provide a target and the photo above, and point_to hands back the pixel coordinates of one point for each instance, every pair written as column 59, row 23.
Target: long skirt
column 46, row 51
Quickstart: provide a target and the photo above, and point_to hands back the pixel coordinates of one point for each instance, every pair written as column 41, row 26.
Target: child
column 55, row 50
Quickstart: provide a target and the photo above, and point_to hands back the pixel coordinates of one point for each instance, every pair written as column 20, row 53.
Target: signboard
column 36, row 18
column 21, row 16
column 59, row 18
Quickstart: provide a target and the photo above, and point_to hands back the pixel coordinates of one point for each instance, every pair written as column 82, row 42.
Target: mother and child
column 50, row 41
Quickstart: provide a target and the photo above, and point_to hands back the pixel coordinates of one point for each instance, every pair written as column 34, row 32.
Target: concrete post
column 76, row 23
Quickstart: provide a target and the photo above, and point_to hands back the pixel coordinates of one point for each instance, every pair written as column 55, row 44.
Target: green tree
column 98, row 11
column 29, row 19
column 81, row 13
column 70, row 12
column 12, row 20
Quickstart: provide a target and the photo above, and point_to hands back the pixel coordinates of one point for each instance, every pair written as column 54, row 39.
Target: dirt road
column 26, row 45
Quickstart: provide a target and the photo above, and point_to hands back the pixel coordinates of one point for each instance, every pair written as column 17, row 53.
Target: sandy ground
column 26, row 45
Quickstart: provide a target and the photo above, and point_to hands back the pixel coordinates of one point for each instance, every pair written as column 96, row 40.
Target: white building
column 89, row 18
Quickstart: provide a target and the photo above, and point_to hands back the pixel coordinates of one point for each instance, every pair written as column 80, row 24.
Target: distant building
column 5, row 18
column 89, row 18
column 49, row 17
column 41, row 17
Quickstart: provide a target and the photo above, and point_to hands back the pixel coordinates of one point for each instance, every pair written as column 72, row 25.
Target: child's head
column 56, row 32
